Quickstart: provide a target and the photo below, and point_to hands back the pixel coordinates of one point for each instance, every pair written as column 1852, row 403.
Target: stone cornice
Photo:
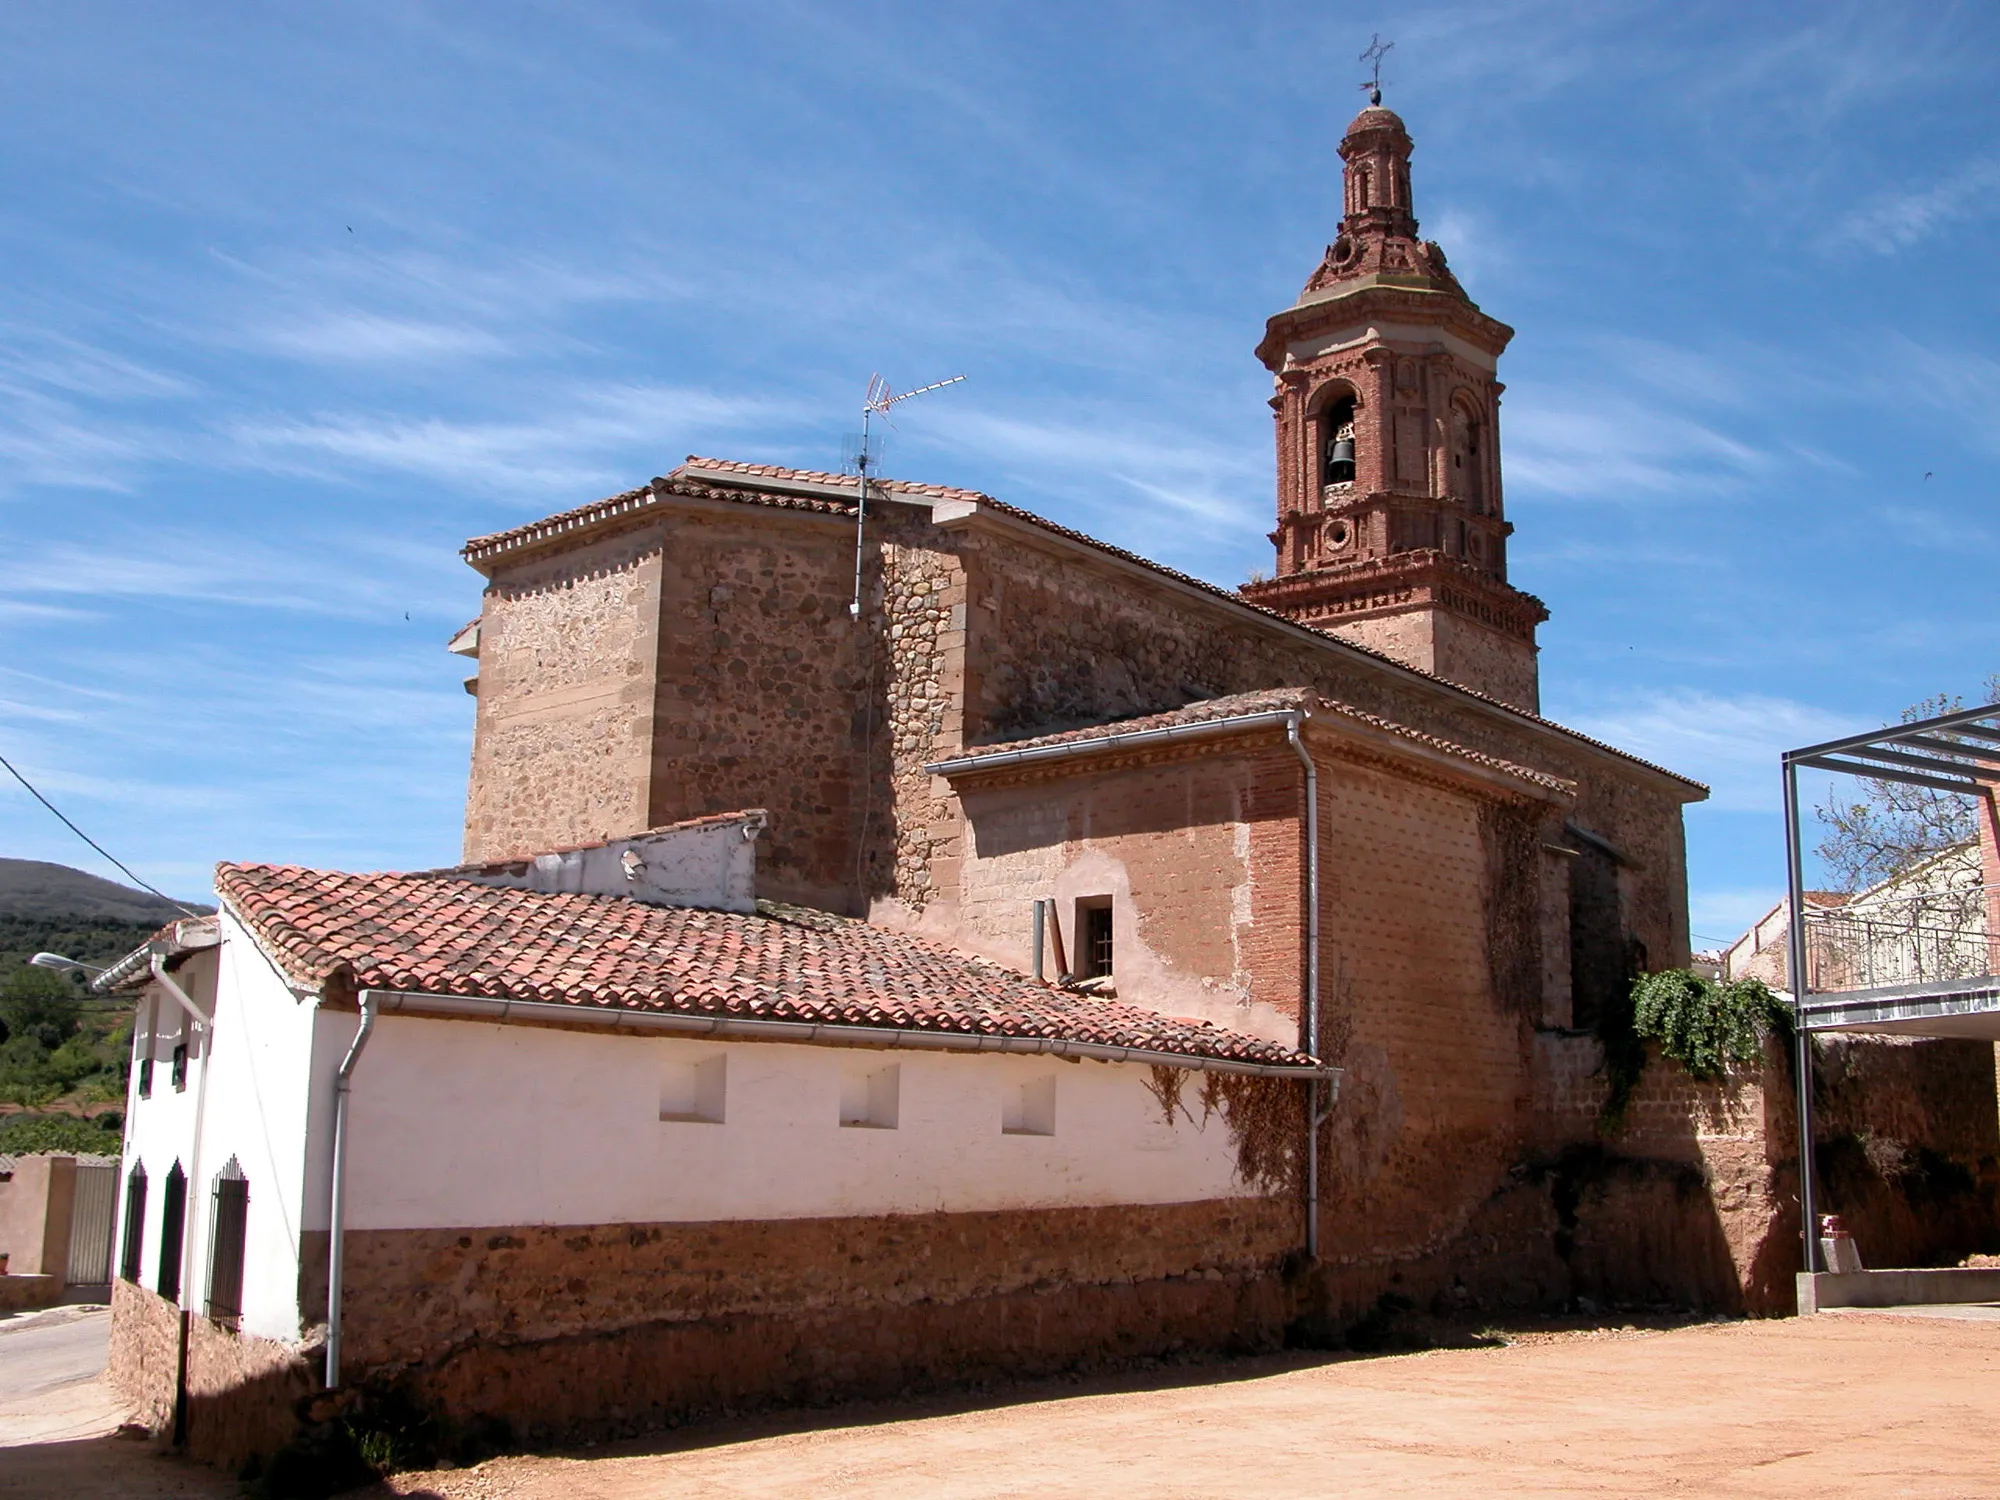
column 1388, row 585
column 1413, row 299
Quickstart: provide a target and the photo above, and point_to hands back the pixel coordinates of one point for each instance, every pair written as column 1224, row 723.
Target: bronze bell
column 1340, row 460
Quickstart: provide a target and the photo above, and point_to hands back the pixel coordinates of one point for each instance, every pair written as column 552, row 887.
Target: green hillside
column 63, row 1051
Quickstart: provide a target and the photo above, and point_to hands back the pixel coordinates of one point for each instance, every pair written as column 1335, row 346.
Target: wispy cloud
column 317, row 576
column 1729, row 741
column 1576, row 446
column 1719, row 917
column 373, row 339
column 1896, row 221
column 564, row 453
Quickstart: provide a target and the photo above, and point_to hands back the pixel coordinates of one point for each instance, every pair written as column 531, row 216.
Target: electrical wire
column 177, row 906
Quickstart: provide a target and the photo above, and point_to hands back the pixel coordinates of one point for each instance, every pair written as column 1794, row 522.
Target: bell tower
column 1391, row 531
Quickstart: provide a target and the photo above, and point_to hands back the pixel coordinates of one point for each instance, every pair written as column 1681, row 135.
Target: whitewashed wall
column 255, row 1109
column 470, row 1123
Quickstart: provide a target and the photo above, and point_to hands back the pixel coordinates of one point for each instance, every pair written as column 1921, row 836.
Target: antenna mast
column 880, row 399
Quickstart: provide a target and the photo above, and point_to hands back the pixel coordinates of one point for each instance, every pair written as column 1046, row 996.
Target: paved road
column 63, row 1346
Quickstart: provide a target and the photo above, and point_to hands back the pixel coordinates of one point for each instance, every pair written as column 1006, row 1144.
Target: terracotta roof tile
column 438, row 935
column 1267, row 701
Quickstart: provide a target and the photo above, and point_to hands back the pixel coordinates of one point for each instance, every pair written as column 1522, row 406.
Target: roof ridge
column 679, row 482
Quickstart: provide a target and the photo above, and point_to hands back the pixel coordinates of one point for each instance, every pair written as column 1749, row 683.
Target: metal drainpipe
column 1311, row 997
column 336, row 1215
column 198, row 1025
column 1040, row 941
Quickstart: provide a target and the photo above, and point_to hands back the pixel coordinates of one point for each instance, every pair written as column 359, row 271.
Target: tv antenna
column 880, row 399
column 1377, row 50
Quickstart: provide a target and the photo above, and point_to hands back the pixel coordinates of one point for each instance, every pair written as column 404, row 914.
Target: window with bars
column 228, row 1225
column 1094, row 938
column 135, row 1224
column 173, row 1223
column 180, row 1067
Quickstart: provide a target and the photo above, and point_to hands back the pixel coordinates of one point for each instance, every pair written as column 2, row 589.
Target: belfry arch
column 1387, row 401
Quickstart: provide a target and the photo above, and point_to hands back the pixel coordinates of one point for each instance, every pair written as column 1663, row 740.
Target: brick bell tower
column 1391, row 531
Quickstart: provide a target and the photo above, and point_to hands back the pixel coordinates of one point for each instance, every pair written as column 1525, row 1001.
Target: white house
column 606, row 1141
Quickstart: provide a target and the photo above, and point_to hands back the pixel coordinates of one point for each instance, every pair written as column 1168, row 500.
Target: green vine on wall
column 1705, row 1025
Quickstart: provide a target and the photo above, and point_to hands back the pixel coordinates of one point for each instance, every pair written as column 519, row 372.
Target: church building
column 1321, row 810
column 1003, row 956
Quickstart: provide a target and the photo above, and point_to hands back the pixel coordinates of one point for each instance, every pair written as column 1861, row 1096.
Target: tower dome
column 1391, row 527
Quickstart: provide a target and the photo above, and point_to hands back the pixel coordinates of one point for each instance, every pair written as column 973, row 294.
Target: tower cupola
column 1391, row 529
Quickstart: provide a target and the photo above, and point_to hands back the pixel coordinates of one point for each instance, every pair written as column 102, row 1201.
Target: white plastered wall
column 464, row 1123
column 255, row 1108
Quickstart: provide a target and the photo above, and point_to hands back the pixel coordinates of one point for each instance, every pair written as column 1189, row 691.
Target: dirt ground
column 1843, row 1404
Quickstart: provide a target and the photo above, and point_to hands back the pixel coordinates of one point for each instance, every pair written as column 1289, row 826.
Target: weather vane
column 1377, row 50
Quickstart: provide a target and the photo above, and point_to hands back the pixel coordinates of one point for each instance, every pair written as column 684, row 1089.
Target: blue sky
column 294, row 299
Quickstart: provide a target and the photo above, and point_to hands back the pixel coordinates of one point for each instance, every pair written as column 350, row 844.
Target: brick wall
column 1196, row 851
column 1059, row 640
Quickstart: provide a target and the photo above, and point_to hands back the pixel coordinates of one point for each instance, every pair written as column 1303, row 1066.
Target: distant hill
column 37, row 889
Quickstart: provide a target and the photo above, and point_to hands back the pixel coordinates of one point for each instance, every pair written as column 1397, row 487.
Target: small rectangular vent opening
column 870, row 1098
column 693, row 1092
column 1030, row 1107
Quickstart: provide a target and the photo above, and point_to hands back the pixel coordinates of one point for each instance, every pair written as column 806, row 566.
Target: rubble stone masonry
column 565, row 1329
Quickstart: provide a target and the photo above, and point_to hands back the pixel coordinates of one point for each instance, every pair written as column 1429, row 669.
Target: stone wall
column 761, row 691
column 565, row 1329
column 568, row 650
column 698, row 663
column 245, row 1396
column 21, row 1293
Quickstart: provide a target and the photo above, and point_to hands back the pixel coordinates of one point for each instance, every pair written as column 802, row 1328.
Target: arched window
column 229, row 1225
column 1336, row 441
column 1468, row 463
column 173, row 1221
column 135, row 1223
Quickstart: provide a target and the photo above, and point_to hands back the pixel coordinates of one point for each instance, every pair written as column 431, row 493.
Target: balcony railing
column 1878, row 942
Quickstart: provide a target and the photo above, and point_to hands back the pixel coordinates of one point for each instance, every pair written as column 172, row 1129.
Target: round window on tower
column 1337, row 535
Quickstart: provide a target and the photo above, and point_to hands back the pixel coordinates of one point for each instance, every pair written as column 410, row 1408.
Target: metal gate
column 90, row 1225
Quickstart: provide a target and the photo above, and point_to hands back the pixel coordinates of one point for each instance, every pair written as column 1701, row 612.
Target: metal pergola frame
column 1908, row 753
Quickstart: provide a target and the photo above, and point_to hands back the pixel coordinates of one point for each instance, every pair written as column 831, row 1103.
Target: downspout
column 199, row 1025
column 1309, row 1001
column 336, row 1214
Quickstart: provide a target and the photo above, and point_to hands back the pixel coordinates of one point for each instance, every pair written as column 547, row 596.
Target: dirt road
column 1835, row 1405
column 1842, row 1405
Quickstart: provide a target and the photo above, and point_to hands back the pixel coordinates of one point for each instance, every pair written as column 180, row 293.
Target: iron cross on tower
column 1377, row 50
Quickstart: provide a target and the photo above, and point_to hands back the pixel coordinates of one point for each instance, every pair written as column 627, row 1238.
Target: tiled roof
column 815, row 476
column 679, row 482
column 1234, row 705
column 1269, row 701
column 481, row 547
column 444, row 936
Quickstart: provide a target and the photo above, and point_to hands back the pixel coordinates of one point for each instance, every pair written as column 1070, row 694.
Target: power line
column 177, row 906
